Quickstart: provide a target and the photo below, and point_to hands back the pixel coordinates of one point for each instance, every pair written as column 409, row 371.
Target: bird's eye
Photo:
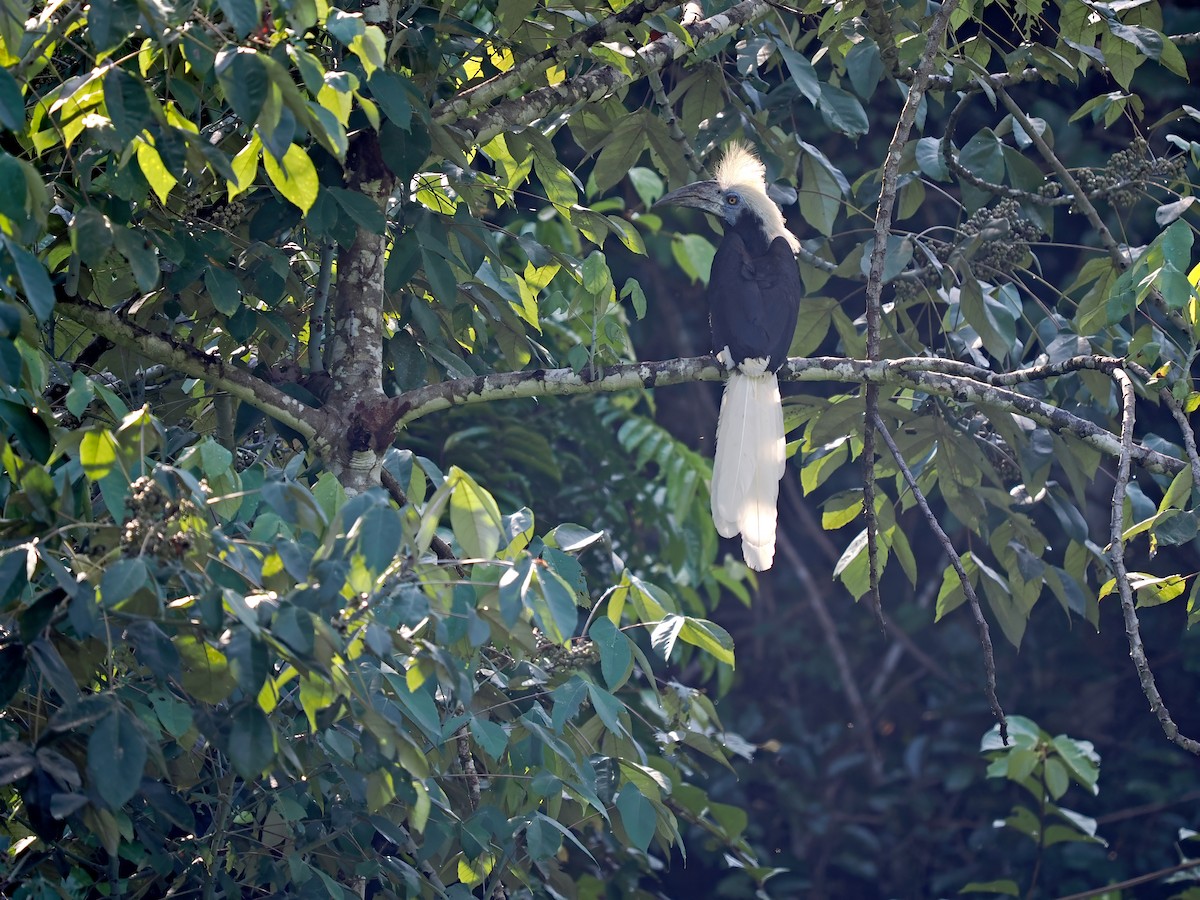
column 731, row 199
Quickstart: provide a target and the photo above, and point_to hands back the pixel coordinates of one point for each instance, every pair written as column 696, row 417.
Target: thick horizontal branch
column 604, row 80
column 955, row 381
column 212, row 370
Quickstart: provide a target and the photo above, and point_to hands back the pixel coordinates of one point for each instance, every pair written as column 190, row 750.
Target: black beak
column 705, row 195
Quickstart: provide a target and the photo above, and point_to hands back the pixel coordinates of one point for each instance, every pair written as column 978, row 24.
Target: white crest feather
column 740, row 169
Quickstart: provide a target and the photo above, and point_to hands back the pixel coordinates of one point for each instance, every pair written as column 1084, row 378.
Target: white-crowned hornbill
column 753, row 297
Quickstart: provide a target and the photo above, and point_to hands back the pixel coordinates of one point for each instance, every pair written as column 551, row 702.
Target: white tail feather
column 750, row 459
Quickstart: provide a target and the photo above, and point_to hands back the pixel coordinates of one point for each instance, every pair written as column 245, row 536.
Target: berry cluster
column 577, row 654
column 1005, row 235
column 226, row 216
column 153, row 523
column 1127, row 173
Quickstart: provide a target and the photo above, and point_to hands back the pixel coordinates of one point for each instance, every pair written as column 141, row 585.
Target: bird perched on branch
column 753, row 297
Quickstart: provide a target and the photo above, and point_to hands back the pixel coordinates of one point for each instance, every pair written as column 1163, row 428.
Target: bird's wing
column 779, row 285
column 736, row 302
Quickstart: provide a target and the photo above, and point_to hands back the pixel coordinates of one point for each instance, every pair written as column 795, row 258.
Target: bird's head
column 738, row 193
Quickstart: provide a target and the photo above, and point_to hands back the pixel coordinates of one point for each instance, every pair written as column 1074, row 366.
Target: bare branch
column 212, row 370
column 985, row 635
column 686, row 150
column 1137, row 650
column 604, row 80
column 883, row 228
column 879, row 22
column 985, row 82
column 910, row 372
column 316, row 317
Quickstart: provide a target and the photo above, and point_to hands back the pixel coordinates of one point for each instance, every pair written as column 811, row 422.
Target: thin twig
column 1137, row 650
column 1110, row 889
column 985, row 635
column 686, row 150
column 467, row 762
column 316, row 317
column 889, row 184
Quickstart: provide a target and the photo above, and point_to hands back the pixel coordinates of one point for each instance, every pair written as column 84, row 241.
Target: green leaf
column 110, row 23
column 143, row 261
column 206, row 674
column 97, row 453
column 1057, row 781
column 842, row 111
column 896, row 259
column 35, row 283
column 822, row 187
column 490, row 736
column 930, row 160
column 637, row 815
column 984, row 156
column 128, row 105
column 116, row 757
column 391, row 92
column 12, row 104
column 224, row 289
column 621, row 152
column 294, row 176
column 802, row 72
column 616, row 657
column 554, row 606
column 251, row 741
column 542, row 839
column 571, row 538
column 244, row 15
column 709, row 637
column 154, row 170
column 245, row 80
column 474, row 516
column 1003, row 886
column 379, row 532
column 121, row 579
column 694, row 253
column 665, row 634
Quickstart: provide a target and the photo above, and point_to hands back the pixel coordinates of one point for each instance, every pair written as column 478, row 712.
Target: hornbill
column 753, row 298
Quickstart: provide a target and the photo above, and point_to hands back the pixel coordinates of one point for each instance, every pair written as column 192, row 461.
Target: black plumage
column 754, row 300
column 754, row 296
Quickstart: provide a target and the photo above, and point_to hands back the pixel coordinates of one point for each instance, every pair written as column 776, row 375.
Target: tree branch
column 879, row 23
column 918, row 373
column 1137, row 650
column 985, row 635
column 938, row 83
column 604, row 80
column 883, row 227
column 212, row 370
